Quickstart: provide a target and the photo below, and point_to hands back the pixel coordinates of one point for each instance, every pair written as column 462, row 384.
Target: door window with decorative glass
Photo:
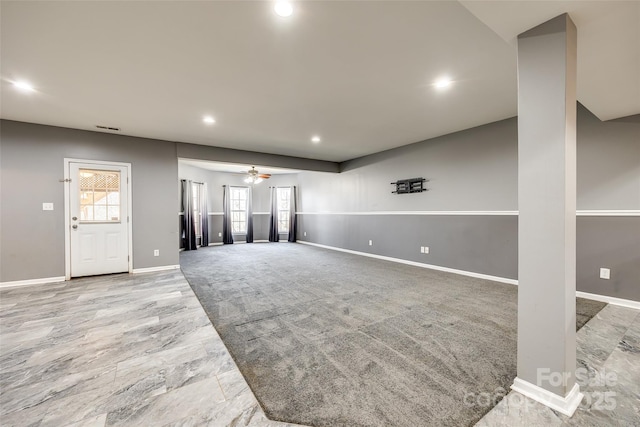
column 99, row 195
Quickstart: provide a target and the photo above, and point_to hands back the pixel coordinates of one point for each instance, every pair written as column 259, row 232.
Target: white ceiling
column 357, row 73
column 608, row 45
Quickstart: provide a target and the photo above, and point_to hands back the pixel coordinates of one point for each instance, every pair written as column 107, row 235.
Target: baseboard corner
column 610, row 300
column 565, row 405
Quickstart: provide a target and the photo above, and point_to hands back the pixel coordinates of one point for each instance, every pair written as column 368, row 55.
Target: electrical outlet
column 426, row 249
column 421, row 249
column 156, row 252
column 605, row 273
column 370, row 242
column 305, row 234
column 47, row 206
column 219, row 234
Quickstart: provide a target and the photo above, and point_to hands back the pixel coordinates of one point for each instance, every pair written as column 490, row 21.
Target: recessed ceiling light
column 443, row 82
column 283, row 8
column 208, row 120
column 315, row 139
column 24, row 86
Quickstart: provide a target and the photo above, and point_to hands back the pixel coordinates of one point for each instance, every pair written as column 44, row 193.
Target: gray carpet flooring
column 331, row 339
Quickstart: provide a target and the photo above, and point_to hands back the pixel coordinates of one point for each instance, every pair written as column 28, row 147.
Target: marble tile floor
column 608, row 364
column 118, row 350
column 139, row 350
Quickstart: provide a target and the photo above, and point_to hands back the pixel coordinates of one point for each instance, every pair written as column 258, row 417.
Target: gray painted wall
column 609, row 242
column 476, row 170
column 469, row 170
column 260, row 193
column 480, row 244
column 608, row 162
column 32, row 240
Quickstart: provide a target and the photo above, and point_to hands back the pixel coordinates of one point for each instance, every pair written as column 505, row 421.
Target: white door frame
column 67, row 223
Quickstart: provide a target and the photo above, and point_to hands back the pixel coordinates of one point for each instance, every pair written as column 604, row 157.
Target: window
column 284, row 202
column 99, row 195
column 238, row 198
column 196, row 191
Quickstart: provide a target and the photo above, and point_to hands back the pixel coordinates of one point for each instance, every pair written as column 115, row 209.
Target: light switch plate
column 47, row 206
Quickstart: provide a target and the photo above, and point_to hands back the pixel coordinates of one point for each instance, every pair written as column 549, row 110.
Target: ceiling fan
column 255, row 177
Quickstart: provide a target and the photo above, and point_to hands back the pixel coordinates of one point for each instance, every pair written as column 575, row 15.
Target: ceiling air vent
column 108, row 128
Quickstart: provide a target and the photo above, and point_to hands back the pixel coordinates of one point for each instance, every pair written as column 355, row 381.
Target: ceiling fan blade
column 265, row 175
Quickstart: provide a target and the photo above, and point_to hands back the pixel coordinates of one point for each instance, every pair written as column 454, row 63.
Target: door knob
column 75, row 218
column 74, row 226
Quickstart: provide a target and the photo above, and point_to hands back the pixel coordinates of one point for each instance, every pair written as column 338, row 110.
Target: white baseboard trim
column 153, row 269
column 417, row 264
column 582, row 212
column 602, row 298
column 421, row 213
column 610, row 300
column 565, row 405
column 609, row 212
column 28, row 282
column 241, row 241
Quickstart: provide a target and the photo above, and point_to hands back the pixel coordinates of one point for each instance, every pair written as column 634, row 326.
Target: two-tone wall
column 468, row 218
column 32, row 165
column 260, row 198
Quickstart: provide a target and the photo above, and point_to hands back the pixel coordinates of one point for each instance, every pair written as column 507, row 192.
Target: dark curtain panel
column 273, row 216
column 293, row 226
column 249, row 238
column 188, row 227
column 204, row 215
column 227, row 232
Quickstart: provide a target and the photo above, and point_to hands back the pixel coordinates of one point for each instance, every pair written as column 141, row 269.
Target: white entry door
column 98, row 219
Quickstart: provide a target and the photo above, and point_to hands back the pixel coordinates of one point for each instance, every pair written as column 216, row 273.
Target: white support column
column 547, row 220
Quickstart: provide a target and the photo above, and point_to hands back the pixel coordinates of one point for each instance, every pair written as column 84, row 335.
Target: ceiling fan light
column 253, row 177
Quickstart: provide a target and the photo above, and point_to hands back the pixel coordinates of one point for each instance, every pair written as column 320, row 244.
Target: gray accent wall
column 476, row 170
column 32, row 163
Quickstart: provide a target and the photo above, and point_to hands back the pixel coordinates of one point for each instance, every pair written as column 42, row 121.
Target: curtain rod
column 194, row 182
